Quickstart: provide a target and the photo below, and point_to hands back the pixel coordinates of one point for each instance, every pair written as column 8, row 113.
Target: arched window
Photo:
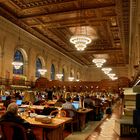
column 19, row 58
column 52, row 72
column 38, row 66
column 63, row 72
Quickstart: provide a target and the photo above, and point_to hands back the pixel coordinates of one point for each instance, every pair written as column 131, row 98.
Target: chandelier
column 106, row 70
column 17, row 64
column 112, row 76
column 80, row 38
column 80, row 41
column 42, row 71
column 99, row 62
column 59, row 75
column 71, row 78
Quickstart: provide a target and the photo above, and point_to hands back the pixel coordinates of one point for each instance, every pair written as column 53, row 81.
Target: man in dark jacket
column 11, row 115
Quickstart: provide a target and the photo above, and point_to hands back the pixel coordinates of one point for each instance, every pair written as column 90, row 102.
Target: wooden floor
column 105, row 131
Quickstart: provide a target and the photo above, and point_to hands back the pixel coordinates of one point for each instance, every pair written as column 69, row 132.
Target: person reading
column 11, row 115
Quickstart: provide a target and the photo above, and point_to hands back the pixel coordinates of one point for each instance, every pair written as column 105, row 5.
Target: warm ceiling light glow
column 42, row 71
column 80, row 41
column 81, row 35
column 114, row 78
column 99, row 62
column 59, row 75
column 106, row 70
column 111, row 75
column 71, row 78
column 17, row 65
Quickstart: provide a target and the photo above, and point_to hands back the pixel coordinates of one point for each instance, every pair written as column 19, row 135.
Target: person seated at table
column 47, row 110
column 18, row 96
column 76, row 98
column 11, row 115
column 50, row 93
column 88, row 102
column 60, row 101
column 7, row 101
column 68, row 105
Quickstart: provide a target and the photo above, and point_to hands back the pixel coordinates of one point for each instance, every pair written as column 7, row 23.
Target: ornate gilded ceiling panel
column 55, row 21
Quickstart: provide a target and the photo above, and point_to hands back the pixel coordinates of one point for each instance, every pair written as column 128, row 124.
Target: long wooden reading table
column 82, row 117
column 51, row 131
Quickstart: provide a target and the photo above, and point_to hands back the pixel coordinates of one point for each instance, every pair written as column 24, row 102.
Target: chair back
column 13, row 131
column 48, row 110
column 71, row 113
column 75, row 118
column 60, row 113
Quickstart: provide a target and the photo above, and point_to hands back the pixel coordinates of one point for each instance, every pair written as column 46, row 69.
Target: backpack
column 109, row 111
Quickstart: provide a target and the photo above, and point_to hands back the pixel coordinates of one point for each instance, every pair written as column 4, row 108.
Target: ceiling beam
column 69, row 22
column 113, row 50
column 1, row 1
column 69, row 11
column 48, row 4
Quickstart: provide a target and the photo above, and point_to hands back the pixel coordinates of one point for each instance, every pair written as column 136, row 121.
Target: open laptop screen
column 76, row 105
column 18, row 102
column 3, row 98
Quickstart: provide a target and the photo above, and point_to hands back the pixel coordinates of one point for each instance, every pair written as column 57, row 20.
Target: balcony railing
column 16, row 83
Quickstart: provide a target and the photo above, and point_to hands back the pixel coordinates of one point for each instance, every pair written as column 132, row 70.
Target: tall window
column 63, row 72
column 38, row 66
column 52, row 72
column 18, row 57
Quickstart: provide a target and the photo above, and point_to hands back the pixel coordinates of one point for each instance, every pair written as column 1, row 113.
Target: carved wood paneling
column 54, row 22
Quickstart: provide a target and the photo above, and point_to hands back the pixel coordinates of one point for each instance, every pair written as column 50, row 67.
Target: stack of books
column 124, row 126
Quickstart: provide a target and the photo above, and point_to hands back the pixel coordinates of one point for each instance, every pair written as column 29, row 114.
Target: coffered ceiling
column 55, row 21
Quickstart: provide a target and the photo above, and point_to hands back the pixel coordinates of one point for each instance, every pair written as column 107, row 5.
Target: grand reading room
column 69, row 70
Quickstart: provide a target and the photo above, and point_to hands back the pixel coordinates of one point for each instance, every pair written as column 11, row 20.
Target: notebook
column 18, row 102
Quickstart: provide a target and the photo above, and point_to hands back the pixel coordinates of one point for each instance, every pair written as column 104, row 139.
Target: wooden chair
column 62, row 113
column 2, row 110
column 75, row 119
column 8, row 130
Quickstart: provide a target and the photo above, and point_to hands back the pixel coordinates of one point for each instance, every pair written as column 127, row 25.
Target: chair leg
column 71, row 127
column 78, row 126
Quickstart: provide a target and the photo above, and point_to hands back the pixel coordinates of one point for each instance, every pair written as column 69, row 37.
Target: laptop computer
column 76, row 105
column 19, row 102
column 3, row 98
